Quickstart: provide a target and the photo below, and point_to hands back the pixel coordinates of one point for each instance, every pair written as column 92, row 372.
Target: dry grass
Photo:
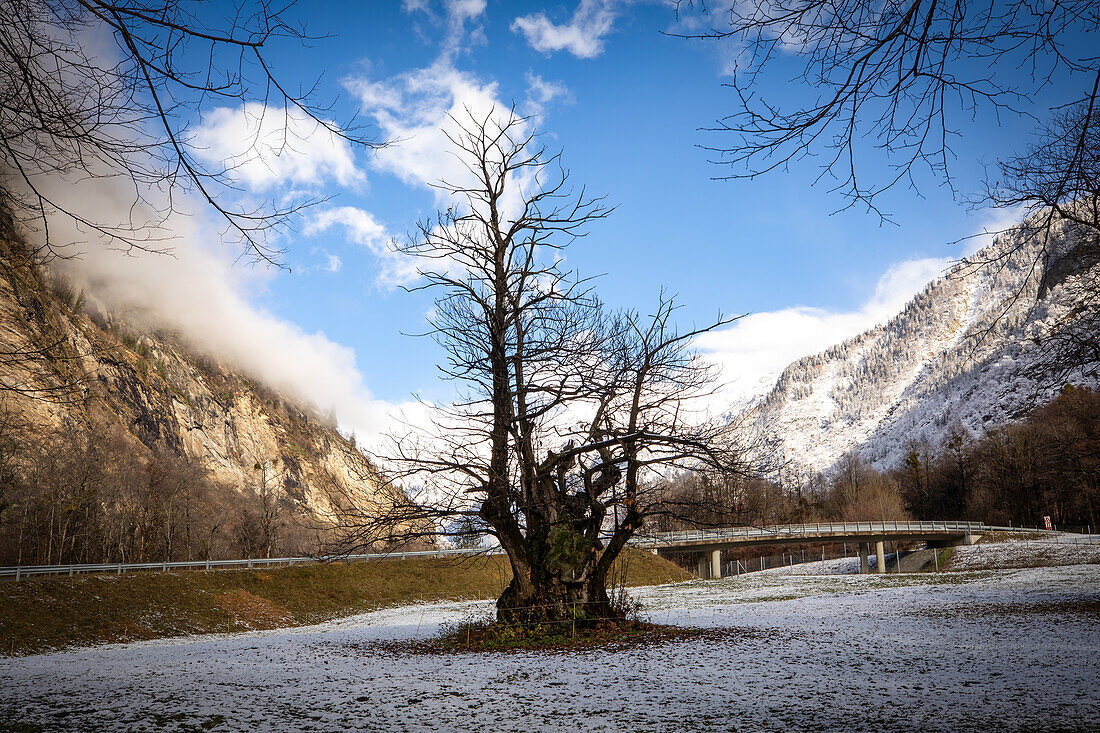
column 608, row 635
column 48, row 613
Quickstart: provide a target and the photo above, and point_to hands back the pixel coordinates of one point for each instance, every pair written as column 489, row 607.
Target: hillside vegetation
column 965, row 353
column 1045, row 465
column 48, row 613
column 124, row 444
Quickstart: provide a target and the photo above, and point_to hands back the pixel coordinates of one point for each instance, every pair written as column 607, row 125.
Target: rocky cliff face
column 962, row 353
column 63, row 360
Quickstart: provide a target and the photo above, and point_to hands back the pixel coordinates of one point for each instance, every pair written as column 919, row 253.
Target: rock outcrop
column 65, row 360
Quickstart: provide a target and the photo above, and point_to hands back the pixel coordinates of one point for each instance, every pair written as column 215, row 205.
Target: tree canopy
column 96, row 89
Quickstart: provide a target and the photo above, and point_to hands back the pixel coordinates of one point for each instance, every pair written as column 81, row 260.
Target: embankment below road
column 47, row 613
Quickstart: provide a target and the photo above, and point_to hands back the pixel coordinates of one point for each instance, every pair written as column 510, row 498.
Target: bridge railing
column 800, row 531
column 663, row 539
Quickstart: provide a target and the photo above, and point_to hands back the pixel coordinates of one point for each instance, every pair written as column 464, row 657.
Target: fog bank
column 197, row 288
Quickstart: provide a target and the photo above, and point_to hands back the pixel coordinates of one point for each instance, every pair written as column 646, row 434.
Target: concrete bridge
column 709, row 543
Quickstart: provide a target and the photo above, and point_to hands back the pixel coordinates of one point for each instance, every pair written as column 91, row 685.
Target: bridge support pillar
column 716, row 564
column 701, row 566
column 864, row 562
column 880, row 556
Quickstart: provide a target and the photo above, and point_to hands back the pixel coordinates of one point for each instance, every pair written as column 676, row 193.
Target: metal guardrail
column 1029, row 530
column 21, row 571
column 661, row 540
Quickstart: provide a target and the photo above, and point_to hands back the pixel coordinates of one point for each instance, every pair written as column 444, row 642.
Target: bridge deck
column 690, row 541
column 828, row 532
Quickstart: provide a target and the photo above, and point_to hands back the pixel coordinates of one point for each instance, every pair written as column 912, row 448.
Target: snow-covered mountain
column 961, row 352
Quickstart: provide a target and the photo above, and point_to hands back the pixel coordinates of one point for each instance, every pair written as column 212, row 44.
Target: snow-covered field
column 1040, row 550
column 1005, row 650
column 1058, row 549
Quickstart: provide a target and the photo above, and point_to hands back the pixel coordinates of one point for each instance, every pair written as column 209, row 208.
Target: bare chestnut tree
column 107, row 88
column 569, row 418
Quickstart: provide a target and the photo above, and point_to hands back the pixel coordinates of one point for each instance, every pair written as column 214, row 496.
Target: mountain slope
column 66, row 364
column 961, row 353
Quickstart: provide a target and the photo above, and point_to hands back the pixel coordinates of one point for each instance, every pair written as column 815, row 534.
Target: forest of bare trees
column 78, row 495
column 1045, row 465
column 74, row 496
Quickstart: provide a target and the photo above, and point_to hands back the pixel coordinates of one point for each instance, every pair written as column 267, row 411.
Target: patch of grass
column 1087, row 608
column 180, row 395
column 46, row 613
column 491, row 636
column 776, row 597
column 13, row 725
column 1018, row 535
column 299, row 452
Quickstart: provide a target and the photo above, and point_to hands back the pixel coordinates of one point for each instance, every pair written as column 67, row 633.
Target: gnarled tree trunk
column 564, row 581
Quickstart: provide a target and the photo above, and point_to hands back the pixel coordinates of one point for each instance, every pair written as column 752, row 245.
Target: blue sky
column 626, row 104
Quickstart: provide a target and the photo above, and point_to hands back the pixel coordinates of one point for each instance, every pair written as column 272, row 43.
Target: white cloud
column 429, row 98
column 417, row 110
column 582, row 36
column 421, row 112
column 542, row 93
column 455, row 16
column 360, row 227
column 421, row 109
column 752, row 351
column 465, row 9
column 459, row 13
column 323, row 261
column 198, row 293
column 900, row 283
column 263, row 147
